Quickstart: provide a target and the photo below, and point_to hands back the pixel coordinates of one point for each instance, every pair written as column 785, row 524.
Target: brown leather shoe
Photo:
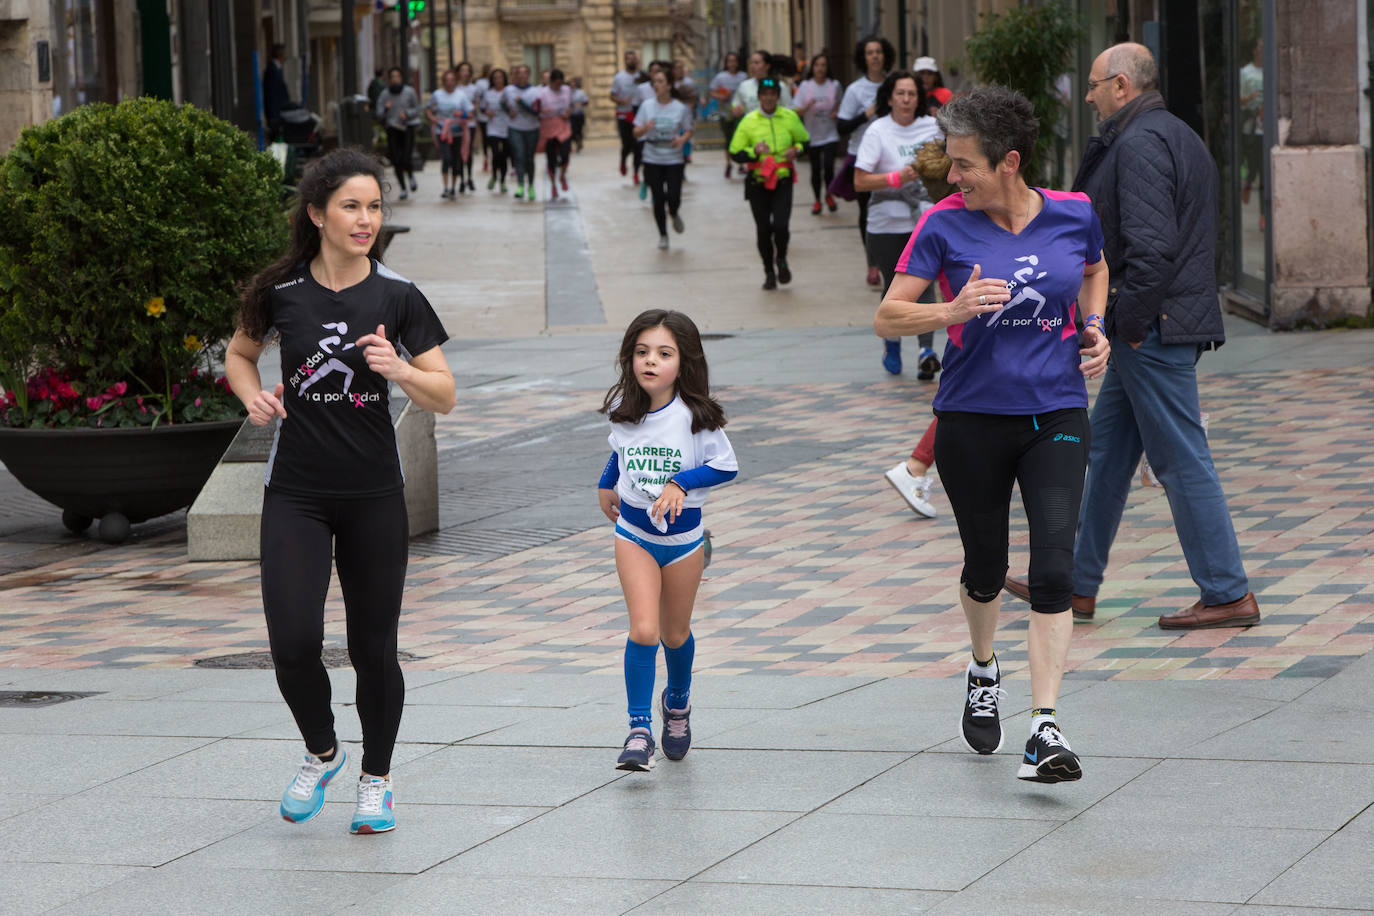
column 1243, row 612
column 1083, row 606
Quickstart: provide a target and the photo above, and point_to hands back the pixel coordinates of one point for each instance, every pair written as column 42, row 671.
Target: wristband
column 1095, row 321
column 894, row 179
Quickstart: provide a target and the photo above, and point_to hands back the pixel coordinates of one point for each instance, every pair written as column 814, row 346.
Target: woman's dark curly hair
column 628, row 402
column 889, row 53
column 317, row 186
column 1002, row 119
column 883, row 100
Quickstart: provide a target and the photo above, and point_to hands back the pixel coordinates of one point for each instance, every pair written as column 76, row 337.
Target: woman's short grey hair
column 1002, row 119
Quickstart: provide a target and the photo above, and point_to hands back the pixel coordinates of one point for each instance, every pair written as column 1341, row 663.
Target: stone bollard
column 224, row 521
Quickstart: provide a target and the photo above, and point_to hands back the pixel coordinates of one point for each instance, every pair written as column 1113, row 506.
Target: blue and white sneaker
column 892, row 356
column 638, row 755
column 677, row 728
column 374, row 813
column 928, row 364
column 305, row 796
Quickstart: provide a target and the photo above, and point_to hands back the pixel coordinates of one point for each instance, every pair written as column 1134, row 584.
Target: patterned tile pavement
column 818, row 568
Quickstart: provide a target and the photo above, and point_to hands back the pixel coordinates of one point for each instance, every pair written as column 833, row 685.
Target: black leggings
column 400, row 148
column 979, row 457
column 772, row 214
column 558, row 153
column 497, row 146
column 822, row 167
column 464, row 163
column 448, row 154
column 369, row 541
column 629, row 146
column 665, row 184
column 885, row 250
column 862, row 197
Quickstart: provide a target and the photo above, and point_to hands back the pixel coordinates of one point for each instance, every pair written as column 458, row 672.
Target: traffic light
column 416, row 8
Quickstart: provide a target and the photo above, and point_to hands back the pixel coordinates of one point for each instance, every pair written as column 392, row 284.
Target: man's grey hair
column 1136, row 62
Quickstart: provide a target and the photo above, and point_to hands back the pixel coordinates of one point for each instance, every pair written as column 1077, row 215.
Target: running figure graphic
column 333, row 364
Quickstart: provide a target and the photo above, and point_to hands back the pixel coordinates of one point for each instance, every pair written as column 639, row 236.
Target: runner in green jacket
column 768, row 141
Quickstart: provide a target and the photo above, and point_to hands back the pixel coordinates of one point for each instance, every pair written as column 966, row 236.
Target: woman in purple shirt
column 1015, row 264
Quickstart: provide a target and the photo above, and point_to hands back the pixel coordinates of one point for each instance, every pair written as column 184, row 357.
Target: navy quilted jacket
column 1154, row 186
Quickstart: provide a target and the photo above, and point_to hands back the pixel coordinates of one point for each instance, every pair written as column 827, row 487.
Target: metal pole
column 348, row 47
column 433, row 48
column 902, row 60
column 463, row 13
column 402, row 27
column 448, row 27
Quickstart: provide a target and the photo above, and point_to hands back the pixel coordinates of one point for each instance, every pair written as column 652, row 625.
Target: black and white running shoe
column 638, row 755
column 1049, row 758
column 980, row 728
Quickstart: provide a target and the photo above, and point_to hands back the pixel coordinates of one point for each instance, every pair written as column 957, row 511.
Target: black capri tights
column 979, row 457
column 665, row 184
column 369, row 540
column 772, row 211
column 822, row 167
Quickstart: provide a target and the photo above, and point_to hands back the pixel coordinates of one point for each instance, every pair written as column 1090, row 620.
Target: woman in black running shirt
column 334, row 479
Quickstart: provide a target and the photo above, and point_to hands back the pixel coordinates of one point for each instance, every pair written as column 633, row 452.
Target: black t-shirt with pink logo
column 337, row 438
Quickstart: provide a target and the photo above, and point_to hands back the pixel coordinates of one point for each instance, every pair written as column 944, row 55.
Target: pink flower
column 197, row 402
column 119, row 388
column 176, row 390
column 94, row 403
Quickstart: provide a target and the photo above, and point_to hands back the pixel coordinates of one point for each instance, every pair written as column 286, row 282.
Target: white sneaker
column 663, row 243
column 915, row 490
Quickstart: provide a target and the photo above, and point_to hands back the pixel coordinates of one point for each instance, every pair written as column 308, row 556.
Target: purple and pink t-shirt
column 1024, row 358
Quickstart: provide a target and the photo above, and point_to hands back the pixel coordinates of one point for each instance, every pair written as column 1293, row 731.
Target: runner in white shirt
column 498, row 128
column 875, row 57
column 480, row 87
column 884, row 168
column 623, row 95
column 746, row 97
column 722, row 89
column 818, row 102
column 666, row 125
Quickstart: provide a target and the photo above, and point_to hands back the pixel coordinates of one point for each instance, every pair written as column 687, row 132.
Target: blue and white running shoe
column 638, row 755
column 374, row 813
column 677, row 728
column 892, row 356
column 305, row 796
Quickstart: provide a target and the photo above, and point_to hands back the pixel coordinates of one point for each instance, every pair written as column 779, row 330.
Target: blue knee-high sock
column 679, row 663
column 640, row 662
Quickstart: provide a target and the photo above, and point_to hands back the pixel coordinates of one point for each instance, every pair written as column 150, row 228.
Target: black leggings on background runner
column 979, row 457
column 822, row 167
column 497, row 145
column 665, row 184
column 558, row 153
column 772, row 214
column 629, row 146
column 367, row 540
column 885, row 250
column 400, row 147
column 862, row 198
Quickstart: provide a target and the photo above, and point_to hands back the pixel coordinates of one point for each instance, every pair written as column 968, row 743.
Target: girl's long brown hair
column 316, row 187
column 627, row 402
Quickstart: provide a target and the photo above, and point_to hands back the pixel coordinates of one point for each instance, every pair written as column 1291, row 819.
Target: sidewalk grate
column 487, row 543
column 333, row 657
column 29, row 699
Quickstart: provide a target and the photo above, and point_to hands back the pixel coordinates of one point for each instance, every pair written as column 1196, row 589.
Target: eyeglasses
column 1093, row 84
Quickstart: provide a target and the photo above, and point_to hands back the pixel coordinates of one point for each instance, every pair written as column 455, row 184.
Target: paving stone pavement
column 1225, row 771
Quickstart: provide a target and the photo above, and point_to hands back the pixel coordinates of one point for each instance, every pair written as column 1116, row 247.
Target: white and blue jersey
column 658, row 449
column 1023, row 358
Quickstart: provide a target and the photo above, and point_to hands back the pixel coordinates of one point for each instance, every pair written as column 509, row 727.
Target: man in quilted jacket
column 1154, row 187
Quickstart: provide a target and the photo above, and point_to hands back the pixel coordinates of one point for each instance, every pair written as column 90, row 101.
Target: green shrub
column 1026, row 49
column 128, row 229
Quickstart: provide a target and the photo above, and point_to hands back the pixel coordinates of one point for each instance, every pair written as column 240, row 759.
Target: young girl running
column 334, row 493
column 668, row 446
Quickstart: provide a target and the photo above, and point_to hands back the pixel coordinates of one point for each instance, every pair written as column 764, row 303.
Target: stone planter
column 119, row 476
